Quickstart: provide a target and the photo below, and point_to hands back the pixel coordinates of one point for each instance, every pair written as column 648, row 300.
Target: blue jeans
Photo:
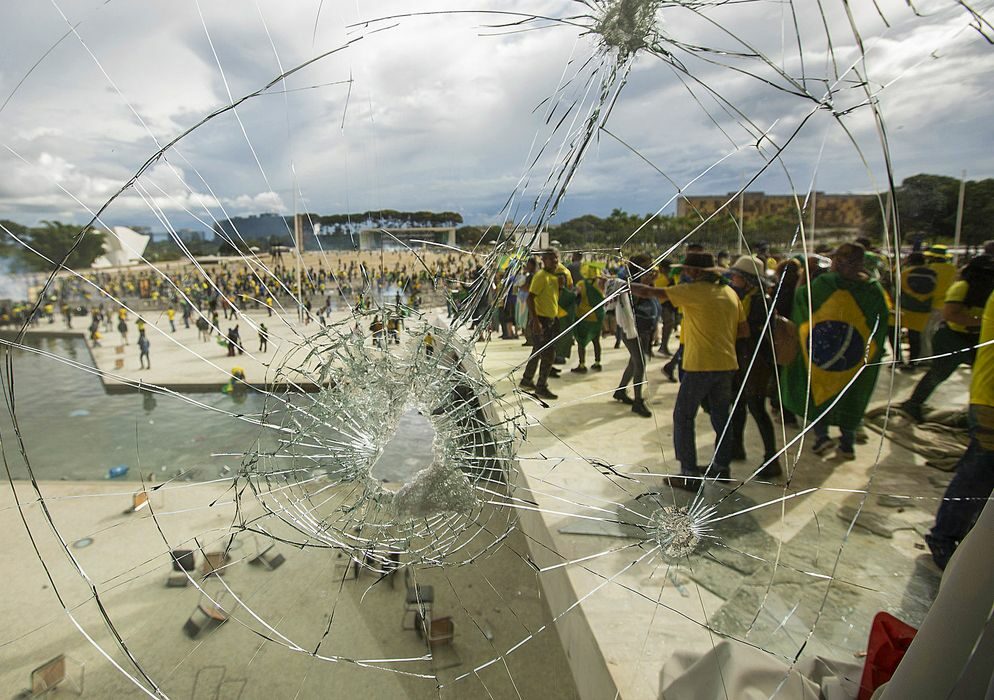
column 695, row 387
column 965, row 497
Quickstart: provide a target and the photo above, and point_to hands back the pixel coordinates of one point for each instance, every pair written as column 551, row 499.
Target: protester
column 918, row 282
column 955, row 340
column 543, row 307
column 667, row 313
column 590, row 310
column 842, row 322
column 713, row 318
column 523, row 282
column 143, row 347
column 636, row 317
column 973, row 481
column 749, row 278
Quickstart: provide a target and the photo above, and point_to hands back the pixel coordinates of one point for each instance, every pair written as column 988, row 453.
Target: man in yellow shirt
column 957, row 335
column 970, row 488
column 543, row 308
column 713, row 318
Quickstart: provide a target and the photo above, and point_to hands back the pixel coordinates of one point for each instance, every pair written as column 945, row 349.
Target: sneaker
column 847, row 455
column 579, row 370
column 526, row 384
column 823, row 445
column 544, row 393
column 622, row 396
column 640, row 408
column 596, row 367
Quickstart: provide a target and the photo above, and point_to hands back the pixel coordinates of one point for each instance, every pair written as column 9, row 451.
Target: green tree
column 54, row 240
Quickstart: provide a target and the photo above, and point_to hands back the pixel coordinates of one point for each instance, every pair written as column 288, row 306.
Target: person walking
column 543, row 308
column 973, row 482
column 842, row 318
column 918, row 283
column 590, row 309
column 143, row 356
column 171, row 315
column 635, row 313
column 263, row 337
column 955, row 340
column 713, row 318
column 749, row 278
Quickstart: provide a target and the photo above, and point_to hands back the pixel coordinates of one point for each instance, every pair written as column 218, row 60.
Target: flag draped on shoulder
column 590, row 310
column 842, row 335
column 918, row 286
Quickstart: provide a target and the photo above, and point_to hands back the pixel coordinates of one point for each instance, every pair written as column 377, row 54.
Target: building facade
column 830, row 210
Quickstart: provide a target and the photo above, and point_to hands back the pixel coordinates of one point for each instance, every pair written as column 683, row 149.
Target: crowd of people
column 803, row 337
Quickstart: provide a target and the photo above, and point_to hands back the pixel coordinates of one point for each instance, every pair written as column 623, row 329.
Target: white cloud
column 442, row 115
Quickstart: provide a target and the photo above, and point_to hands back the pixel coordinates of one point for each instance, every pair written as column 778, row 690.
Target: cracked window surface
column 370, row 504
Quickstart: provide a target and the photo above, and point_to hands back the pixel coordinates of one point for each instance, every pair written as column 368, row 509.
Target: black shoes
column 579, row 370
column 620, row 395
column 771, row 470
column 596, row 367
column 668, row 371
column 544, row 393
column 526, row 384
column 640, row 408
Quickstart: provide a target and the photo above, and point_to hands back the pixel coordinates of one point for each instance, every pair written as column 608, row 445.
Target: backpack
column 786, row 342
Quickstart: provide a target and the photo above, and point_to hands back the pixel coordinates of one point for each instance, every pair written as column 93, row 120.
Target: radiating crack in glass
column 335, row 402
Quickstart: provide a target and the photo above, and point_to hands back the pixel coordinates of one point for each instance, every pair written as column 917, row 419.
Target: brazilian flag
column 917, row 287
column 844, row 331
column 591, row 313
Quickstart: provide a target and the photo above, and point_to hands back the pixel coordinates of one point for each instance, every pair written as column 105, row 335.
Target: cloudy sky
column 445, row 110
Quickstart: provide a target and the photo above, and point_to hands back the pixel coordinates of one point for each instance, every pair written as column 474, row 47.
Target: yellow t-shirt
column 945, row 275
column 545, row 287
column 982, row 385
column 662, row 281
column 956, row 294
column 711, row 316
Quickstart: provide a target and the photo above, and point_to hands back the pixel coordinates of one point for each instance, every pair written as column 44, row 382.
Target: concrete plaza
column 601, row 613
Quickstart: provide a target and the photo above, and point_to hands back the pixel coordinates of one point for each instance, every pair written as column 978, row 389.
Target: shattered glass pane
column 370, row 501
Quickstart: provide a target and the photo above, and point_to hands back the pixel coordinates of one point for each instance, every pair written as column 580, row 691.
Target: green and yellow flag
column 917, row 288
column 842, row 337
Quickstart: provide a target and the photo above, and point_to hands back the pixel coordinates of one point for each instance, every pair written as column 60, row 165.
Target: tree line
column 926, row 206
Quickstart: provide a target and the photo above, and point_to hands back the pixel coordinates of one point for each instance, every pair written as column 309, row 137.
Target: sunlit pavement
column 782, row 566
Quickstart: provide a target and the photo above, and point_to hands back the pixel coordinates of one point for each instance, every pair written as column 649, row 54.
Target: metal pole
column 814, row 207
column 741, row 220
column 299, row 237
column 959, row 212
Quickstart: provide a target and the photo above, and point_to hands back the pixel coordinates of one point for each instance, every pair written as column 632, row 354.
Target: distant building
column 831, row 210
column 376, row 238
column 122, row 246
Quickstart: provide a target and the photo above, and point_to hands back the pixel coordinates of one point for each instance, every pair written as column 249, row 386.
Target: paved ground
column 775, row 576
